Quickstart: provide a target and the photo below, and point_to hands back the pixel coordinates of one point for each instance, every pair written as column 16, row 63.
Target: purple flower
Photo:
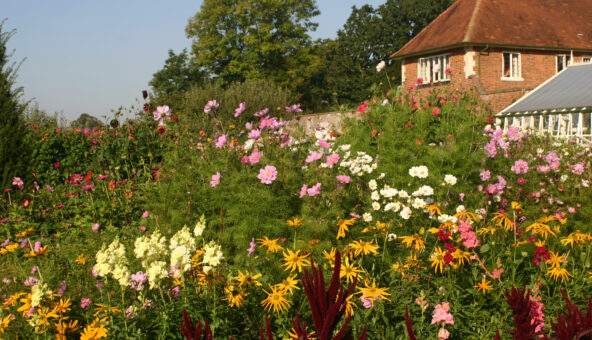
column 215, row 180
column 252, row 246
column 268, row 174
column 85, row 303
column 6, row 242
column 211, row 106
column 37, row 247
column 240, row 109
column 62, row 288
column 294, row 108
column 161, row 112
column 176, row 290
column 130, row 313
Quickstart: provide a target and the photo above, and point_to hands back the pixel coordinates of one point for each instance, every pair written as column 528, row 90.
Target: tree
column 369, row 36
column 237, row 40
column 176, row 77
column 86, row 121
column 13, row 149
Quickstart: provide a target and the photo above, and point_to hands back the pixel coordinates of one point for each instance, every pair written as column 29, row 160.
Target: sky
column 97, row 56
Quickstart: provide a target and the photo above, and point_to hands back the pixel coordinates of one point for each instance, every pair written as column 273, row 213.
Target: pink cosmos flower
column 514, row 132
column 254, row 158
column 363, row 108
column 485, row 175
column 145, row 214
column 520, row 167
column 436, row 111
column 221, row 141
column 268, row 174
column 261, row 113
column 18, row 182
column 211, row 106
column 249, row 125
column 34, row 270
column 367, row 302
column 343, row 178
column 245, row 160
column 254, row 134
column 314, row 156
column 159, row 114
column 252, row 246
column 95, row 227
column 303, row 190
column 490, row 148
column 31, row 281
column 332, row 159
column 323, row 144
column 215, row 179
column 240, row 109
column 293, row 108
column 314, row 190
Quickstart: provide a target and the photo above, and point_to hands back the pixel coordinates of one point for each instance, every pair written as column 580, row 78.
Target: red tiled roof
column 545, row 24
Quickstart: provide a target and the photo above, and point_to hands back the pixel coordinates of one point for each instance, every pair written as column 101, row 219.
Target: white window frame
column 512, row 77
column 426, row 68
column 565, row 62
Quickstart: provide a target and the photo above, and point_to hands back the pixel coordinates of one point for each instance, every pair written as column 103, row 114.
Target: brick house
column 500, row 48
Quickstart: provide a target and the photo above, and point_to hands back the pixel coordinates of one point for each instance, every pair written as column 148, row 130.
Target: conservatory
column 560, row 107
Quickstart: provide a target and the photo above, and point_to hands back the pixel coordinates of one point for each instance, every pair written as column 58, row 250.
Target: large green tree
column 369, row 36
column 237, row 40
column 176, row 77
column 13, row 149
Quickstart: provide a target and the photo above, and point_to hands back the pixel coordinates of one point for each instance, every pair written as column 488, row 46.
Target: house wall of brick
column 481, row 69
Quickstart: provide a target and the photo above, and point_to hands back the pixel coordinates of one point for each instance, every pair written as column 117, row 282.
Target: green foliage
column 14, row 151
column 262, row 94
column 86, row 121
column 251, row 39
column 177, row 76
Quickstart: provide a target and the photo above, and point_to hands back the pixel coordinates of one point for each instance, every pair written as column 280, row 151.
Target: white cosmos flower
column 367, row 217
column 405, row 213
column 450, row 179
column 375, row 205
column 372, row 184
column 375, row 196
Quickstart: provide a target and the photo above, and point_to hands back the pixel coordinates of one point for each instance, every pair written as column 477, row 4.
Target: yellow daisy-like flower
column 556, row 259
column 9, row 248
column 24, row 233
column 502, row 220
column 484, row 286
column 5, row 322
column 329, row 256
column 62, row 327
column 437, row 259
column 515, row 205
column 461, row 256
column 540, row 228
column 557, row 272
column 433, row 209
column 349, row 271
column 62, row 306
column 296, row 222
column 293, row 260
column 275, row 300
column 373, row 293
column 94, row 331
column 577, row 238
column 414, row 241
column 466, row 216
column 234, row 296
column 81, row 259
column 271, row 245
column 42, row 251
column 363, row 247
column 246, row 279
column 289, row 284
column 486, row 230
column 344, row 226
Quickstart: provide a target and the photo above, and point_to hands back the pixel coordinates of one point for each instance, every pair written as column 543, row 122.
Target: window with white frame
column 563, row 61
column 433, row 69
column 511, row 66
column 587, row 59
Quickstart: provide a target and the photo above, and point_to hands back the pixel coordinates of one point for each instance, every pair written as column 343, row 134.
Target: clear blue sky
column 94, row 56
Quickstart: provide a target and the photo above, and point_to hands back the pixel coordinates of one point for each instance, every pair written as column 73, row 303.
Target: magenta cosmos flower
column 520, row 167
column 268, row 174
column 211, row 106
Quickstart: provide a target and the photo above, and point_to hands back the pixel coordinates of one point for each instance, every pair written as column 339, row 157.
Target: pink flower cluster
column 520, row 167
column 442, row 314
column 468, row 236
